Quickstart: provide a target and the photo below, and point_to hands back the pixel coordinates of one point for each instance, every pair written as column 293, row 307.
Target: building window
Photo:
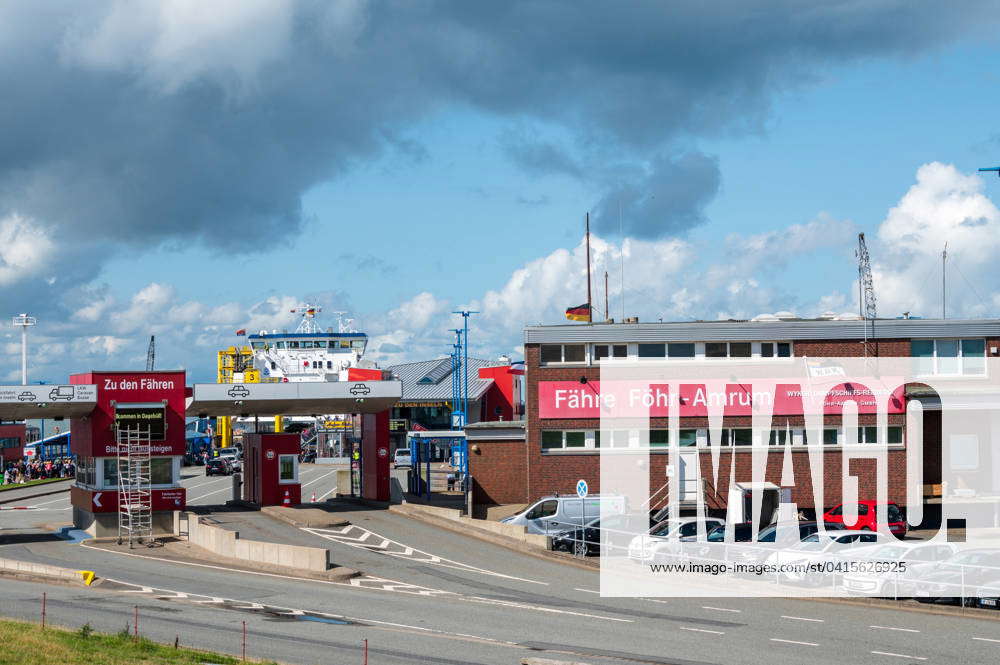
column 286, row 468
column 949, row 356
column 10, row 442
column 652, row 350
column 680, row 350
column 610, row 351
column 727, row 349
column 775, row 350
column 329, row 364
column 687, row 438
column 742, row 436
column 559, row 439
column 293, row 345
column 279, row 345
column 563, row 353
column 659, row 438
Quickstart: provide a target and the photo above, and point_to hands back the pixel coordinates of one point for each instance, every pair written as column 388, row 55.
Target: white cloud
column 25, row 247
column 175, row 42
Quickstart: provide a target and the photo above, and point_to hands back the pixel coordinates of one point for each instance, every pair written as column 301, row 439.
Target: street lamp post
column 24, row 321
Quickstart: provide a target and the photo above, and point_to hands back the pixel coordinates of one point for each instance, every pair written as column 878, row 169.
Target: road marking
column 897, row 655
column 904, row 630
column 803, row 619
column 718, row 609
column 331, row 491
column 45, row 503
column 805, row 644
column 195, row 498
column 985, row 639
column 702, row 630
column 392, row 586
column 320, row 478
column 587, row 591
column 353, row 535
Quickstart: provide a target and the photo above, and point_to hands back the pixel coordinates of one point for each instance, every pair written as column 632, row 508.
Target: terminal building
column 556, row 444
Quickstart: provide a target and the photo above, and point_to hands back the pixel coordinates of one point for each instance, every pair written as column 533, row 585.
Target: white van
column 401, row 458
column 556, row 514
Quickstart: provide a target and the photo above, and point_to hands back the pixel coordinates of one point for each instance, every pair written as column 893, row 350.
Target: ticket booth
column 149, row 408
column 271, row 469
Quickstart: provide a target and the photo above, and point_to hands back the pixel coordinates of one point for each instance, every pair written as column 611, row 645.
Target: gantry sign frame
column 20, row 402
column 292, row 399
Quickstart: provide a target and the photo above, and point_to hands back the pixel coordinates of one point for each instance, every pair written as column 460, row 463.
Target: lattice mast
column 867, row 302
column 135, row 496
column 151, row 353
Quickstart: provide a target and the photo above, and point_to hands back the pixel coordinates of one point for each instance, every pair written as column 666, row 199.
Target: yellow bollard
column 87, row 575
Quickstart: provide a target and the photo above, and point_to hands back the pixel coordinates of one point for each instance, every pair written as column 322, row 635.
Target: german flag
column 579, row 313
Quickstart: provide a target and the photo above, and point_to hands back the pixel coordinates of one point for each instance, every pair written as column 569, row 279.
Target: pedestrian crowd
column 21, row 471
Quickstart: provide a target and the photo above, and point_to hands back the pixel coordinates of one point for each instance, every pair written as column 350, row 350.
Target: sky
column 186, row 170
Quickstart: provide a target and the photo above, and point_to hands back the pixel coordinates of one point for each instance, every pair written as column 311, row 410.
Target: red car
column 868, row 516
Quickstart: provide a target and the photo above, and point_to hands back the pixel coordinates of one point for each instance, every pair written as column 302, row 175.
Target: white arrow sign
column 97, row 499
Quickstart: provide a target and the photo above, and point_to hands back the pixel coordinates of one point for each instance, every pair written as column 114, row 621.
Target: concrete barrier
column 512, row 531
column 228, row 544
column 32, row 570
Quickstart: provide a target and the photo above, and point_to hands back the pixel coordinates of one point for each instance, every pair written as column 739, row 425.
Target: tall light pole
column 466, row 313
column 24, row 321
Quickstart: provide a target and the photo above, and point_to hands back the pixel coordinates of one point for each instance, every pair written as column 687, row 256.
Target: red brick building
column 552, row 449
column 12, row 440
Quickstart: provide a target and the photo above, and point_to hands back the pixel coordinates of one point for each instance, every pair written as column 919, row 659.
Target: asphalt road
column 433, row 596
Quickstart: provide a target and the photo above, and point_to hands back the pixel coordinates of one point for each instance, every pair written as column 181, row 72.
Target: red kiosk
column 271, row 469
column 150, row 402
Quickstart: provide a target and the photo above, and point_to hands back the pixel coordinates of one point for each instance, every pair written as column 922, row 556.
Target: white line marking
column 195, row 498
column 897, row 655
column 904, row 630
column 719, row 609
column 587, row 591
column 805, row 644
column 332, row 490
column 45, row 503
column 803, row 619
column 702, row 630
column 319, row 479
column 985, row 639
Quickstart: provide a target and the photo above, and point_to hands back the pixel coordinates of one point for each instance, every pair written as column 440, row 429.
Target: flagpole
column 590, row 304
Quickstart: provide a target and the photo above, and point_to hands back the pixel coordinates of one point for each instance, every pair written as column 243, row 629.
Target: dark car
column 218, row 466
column 586, row 540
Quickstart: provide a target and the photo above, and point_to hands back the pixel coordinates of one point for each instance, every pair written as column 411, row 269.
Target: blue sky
column 212, row 185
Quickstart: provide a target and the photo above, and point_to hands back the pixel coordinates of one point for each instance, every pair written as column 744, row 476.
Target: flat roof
column 306, row 398
column 768, row 330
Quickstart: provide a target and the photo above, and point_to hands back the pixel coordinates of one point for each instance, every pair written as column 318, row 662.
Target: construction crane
column 866, row 292
column 151, row 353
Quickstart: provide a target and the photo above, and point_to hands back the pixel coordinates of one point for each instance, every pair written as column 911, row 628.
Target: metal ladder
column 135, row 513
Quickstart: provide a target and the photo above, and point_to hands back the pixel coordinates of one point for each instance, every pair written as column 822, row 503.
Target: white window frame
column 592, row 352
column 960, row 358
column 295, row 468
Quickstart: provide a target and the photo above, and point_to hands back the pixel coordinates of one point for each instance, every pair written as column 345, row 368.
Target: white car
column 877, row 582
column 823, row 548
column 402, row 457
column 663, row 540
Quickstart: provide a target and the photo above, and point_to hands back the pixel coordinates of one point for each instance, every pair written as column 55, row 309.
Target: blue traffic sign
column 581, row 488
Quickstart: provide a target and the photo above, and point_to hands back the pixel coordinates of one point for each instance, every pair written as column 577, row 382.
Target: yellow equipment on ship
column 235, row 365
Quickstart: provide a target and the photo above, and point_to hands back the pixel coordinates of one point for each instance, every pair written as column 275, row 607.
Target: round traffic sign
column 269, row 454
column 382, row 452
column 581, row 488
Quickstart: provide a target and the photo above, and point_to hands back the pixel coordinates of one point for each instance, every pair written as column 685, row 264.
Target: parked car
column 587, row 540
column 218, row 466
column 663, row 539
column 819, row 548
column 744, row 548
column 887, row 583
column 988, row 595
column 868, row 513
column 402, row 457
column 557, row 514
column 955, row 579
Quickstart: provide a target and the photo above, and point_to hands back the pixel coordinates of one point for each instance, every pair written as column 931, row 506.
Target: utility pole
column 866, row 290
column 466, row 313
column 606, row 315
column 944, row 274
column 590, row 303
column 24, row 321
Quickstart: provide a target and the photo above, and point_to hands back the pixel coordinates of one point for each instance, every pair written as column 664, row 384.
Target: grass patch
column 30, row 483
column 26, row 644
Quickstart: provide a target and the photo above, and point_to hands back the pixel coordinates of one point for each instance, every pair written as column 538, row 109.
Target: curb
column 288, row 518
column 495, row 539
column 919, row 608
column 40, row 572
column 38, row 494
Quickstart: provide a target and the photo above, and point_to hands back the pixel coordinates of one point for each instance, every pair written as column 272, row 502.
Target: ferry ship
column 309, row 353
